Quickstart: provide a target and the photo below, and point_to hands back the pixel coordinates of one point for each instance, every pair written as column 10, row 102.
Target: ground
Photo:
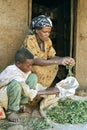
column 24, row 120
column 31, row 121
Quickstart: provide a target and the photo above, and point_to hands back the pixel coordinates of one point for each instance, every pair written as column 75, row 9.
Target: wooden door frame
column 29, row 11
column 74, row 4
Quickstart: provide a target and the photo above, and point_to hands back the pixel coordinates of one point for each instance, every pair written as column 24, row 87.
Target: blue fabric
column 40, row 21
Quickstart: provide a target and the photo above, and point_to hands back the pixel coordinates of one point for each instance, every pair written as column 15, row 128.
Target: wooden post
column 71, row 29
column 29, row 11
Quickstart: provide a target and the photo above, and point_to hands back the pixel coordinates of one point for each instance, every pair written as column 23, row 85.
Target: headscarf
column 40, row 21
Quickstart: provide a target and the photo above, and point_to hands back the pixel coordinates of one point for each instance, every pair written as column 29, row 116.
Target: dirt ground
column 31, row 121
column 25, row 118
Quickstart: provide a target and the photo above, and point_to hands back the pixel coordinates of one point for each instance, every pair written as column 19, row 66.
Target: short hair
column 22, row 54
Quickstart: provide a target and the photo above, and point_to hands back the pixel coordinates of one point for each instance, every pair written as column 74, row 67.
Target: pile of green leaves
column 69, row 111
column 39, row 124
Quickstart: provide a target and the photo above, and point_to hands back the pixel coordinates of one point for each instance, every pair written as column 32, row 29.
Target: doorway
column 59, row 12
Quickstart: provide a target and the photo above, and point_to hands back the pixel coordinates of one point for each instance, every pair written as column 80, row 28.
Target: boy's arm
column 49, row 91
column 31, row 93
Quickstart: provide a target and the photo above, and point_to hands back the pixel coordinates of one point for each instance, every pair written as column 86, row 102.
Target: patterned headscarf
column 40, row 21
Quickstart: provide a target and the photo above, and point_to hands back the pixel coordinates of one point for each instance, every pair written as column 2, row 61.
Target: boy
column 17, row 84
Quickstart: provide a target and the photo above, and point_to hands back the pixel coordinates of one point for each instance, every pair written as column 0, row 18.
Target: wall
column 81, row 43
column 13, row 28
column 14, row 18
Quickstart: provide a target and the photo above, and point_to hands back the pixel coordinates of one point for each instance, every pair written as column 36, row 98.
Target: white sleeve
column 31, row 93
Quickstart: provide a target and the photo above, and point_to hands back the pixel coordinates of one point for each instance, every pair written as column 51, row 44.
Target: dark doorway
column 59, row 12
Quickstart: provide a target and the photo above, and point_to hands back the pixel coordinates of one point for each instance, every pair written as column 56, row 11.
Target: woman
column 40, row 45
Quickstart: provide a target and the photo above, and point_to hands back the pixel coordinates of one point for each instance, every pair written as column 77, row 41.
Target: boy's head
column 24, row 60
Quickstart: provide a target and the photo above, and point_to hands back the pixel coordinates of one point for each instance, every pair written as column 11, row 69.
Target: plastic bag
column 67, row 87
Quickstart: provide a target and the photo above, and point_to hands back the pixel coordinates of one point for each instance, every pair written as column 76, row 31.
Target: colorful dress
column 46, row 74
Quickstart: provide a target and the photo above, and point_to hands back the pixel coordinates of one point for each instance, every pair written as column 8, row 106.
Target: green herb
column 39, row 124
column 69, row 111
column 69, row 68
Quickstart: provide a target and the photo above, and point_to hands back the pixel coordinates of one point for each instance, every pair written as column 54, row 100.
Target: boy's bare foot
column 13, row 117
column 25, row 108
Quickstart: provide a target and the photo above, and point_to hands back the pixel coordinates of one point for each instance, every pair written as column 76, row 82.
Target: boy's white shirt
column 13, row 72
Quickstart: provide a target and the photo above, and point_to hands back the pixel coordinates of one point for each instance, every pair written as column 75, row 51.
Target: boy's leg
column 32, row 80
column 14, row 91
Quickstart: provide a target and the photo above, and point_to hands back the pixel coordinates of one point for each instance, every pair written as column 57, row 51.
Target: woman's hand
column 68, row 61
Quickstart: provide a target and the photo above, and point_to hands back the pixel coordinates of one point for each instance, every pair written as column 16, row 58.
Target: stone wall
column 81, row 43
column 13, row 28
